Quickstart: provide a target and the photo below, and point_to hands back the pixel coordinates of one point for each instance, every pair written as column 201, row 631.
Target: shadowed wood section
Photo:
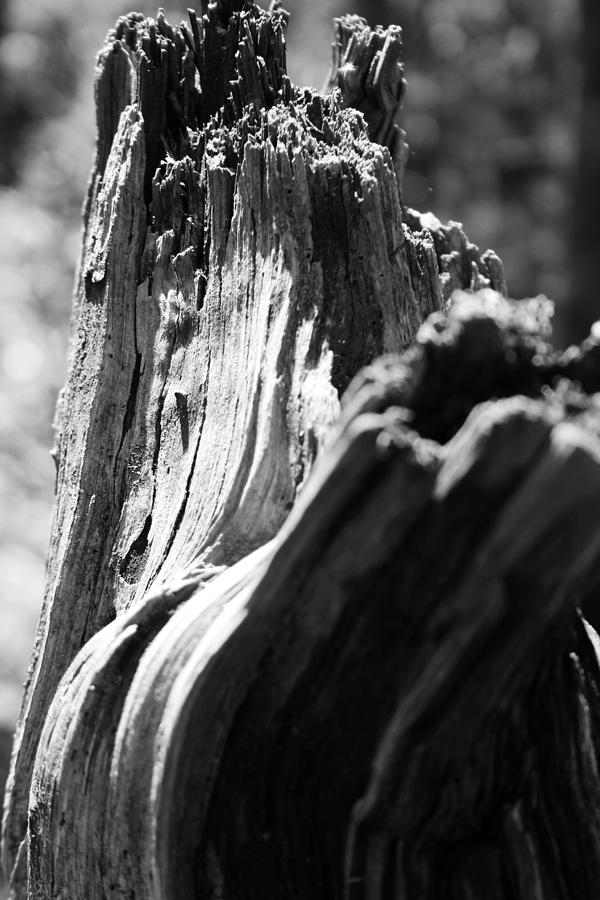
column 382, row 699
column 244, row 255
column 309, row 625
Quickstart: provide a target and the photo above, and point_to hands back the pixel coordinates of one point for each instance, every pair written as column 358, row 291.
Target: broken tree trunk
column 291, row 649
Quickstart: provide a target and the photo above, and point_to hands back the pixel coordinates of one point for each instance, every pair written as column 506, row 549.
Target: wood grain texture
column 392, row 696
column 295, row 645
column 243, row 255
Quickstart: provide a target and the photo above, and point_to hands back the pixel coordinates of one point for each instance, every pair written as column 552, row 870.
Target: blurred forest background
column 492, row 117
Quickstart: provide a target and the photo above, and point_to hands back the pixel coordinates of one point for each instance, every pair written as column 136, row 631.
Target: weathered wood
column 292, row 649
column 236, row 272
column 407, row 639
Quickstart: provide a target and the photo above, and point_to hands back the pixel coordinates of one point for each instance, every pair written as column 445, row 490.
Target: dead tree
column 291, row 648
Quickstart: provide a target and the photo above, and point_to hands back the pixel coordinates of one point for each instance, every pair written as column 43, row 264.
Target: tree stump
column 292, row 647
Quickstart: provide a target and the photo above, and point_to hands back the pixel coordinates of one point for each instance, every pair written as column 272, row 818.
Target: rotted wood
column 394, row 697
column 244, row 254
column 289, row 648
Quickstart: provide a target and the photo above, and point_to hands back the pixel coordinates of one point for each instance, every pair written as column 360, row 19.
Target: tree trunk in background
column 290, row 648
column 378, row 12
column 582, row 308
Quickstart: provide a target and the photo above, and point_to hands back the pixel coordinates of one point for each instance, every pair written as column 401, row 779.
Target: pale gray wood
column 233, row 278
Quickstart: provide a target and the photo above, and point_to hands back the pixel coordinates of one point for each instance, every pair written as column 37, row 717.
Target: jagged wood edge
column 131, row 81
